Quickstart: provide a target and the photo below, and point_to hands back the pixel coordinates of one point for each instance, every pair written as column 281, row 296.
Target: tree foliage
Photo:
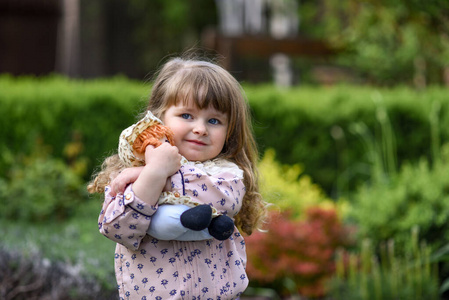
column 164, row 27
column 388, row 42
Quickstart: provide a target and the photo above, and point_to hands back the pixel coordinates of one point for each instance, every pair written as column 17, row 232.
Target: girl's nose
column 200, row 128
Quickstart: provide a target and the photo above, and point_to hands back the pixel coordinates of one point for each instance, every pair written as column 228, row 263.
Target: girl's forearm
column 149, row 185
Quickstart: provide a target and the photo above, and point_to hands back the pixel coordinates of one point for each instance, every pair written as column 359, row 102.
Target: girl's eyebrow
column 184, row 108
column 220, row 114
column 189, row 109
column 217, row 113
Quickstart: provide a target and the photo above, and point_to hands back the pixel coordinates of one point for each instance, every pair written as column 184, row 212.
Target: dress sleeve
column 224, row 191
column 125, row 218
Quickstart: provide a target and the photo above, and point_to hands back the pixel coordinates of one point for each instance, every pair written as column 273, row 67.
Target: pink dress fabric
column 148, row 268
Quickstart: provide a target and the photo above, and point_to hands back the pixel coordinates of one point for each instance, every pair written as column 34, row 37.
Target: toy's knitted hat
column 129, row 135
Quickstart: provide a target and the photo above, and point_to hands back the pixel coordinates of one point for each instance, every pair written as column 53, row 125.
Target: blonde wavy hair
column 208, row 85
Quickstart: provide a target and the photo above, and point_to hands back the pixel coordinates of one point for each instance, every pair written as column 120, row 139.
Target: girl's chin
column 194, row 157
column 198, row 155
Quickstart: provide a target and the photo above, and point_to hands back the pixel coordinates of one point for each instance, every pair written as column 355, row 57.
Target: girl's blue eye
column 185, row 116
column 214, row 121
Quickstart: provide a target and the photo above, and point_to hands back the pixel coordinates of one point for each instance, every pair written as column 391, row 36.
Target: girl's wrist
column 149, row 185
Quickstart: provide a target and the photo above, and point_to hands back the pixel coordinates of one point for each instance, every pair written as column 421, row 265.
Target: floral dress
column 148, row 268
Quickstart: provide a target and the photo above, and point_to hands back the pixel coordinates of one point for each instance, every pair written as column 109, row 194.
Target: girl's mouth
column 196, row 142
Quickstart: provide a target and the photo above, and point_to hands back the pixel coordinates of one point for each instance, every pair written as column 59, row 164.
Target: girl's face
column 199, row 134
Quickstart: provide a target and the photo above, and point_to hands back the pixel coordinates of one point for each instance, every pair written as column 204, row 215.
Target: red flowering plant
column 299, row 251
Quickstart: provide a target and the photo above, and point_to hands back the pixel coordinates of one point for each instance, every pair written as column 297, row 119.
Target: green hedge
column 55, row 111
column 308, row 125
column 337, row 132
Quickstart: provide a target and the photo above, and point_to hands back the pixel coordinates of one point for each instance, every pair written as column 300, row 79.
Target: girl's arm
column 161, row 163
column 127, row 176
column 125, row 218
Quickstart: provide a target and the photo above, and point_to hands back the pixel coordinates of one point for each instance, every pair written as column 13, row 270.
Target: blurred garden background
column 350, row 101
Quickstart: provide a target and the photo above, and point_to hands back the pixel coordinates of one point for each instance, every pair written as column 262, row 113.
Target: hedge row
column 56, row 111
column 337, row 133
column 331, row 131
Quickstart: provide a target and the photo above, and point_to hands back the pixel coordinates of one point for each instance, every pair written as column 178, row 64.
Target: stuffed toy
column 151, row 131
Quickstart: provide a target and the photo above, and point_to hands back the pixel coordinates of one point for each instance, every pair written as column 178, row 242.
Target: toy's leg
column 197, row 218
column 221, row 227
column 192, row 235
column 166, row 225
column 165, row 222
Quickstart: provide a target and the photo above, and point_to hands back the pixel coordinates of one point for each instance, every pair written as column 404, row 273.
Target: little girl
column 205, row 108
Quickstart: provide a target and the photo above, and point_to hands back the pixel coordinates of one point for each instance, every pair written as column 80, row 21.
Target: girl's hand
column 165, row 159
column 127, row 176
column 161, row 163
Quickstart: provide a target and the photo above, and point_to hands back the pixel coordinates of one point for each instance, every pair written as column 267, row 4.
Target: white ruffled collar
column 217, row 166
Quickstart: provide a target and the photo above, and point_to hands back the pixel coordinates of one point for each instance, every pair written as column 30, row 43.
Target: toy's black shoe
column 197, row 218
column 221, row 227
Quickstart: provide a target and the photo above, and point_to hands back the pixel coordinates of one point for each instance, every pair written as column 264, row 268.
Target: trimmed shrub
column 307, row 125
column 314, row 127
column 53, row 110
column 296, row 256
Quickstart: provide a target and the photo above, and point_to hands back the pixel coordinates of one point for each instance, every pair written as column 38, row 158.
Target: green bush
column 40, row 188
column 390, row 206
column 288, row 189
